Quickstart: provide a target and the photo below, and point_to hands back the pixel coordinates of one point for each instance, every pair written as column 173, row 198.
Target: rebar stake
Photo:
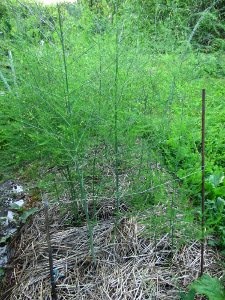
column 54, row 295
column 203, row 181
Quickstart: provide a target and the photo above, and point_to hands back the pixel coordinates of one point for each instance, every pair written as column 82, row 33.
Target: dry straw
column 133, row 267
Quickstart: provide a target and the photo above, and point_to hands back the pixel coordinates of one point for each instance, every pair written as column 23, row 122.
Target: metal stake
column 203, row 180
column 54, row 295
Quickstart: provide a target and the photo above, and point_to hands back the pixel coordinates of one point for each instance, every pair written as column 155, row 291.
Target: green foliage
column 178, row 18
column 4, row 19
column 216, row 178
column 20, row 214
column 2, row 272
column 215, row 205
column 205, row 285
column 190, row 296
column 4, row 239
column 132, row 95
column 16, row 207
column 27, row 213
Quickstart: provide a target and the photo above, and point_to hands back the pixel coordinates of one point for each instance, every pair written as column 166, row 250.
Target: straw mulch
column 133, row 267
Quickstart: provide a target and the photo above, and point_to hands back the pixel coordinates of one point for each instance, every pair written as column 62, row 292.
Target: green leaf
column 210, row 287
column 27, row 213
column 220, row 202
column 15, row 206
column 216, row 179
column 4, row 239
column 220, row 191
column 2, row 272
column 209, row 186
column 189, row 296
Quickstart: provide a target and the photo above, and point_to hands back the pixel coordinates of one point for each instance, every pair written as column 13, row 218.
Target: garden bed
column 133, row 267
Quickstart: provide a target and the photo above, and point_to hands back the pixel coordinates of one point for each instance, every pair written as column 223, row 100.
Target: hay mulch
column 133, row 267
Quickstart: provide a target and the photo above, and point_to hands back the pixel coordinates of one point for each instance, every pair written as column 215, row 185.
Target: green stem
column 56, row 188
column 5, row 82
column 64, row 62
column 72, row 192
column 84, row 201
column 83, row 196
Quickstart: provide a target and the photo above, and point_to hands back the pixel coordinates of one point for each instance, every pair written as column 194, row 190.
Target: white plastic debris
column 10, row 215
column 18, row 189
column 20, row 203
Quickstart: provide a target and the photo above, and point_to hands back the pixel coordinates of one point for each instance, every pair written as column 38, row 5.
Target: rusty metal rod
column 203, row 182
column 54, row 295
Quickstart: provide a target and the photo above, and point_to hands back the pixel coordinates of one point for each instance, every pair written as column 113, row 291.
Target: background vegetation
column 103, row 99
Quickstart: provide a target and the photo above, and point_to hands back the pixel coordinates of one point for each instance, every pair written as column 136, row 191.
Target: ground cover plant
column 102, row 100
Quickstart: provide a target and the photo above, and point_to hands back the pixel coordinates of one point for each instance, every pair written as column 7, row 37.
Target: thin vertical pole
column 54, row 295
column 203, row 180
column 116, row 126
